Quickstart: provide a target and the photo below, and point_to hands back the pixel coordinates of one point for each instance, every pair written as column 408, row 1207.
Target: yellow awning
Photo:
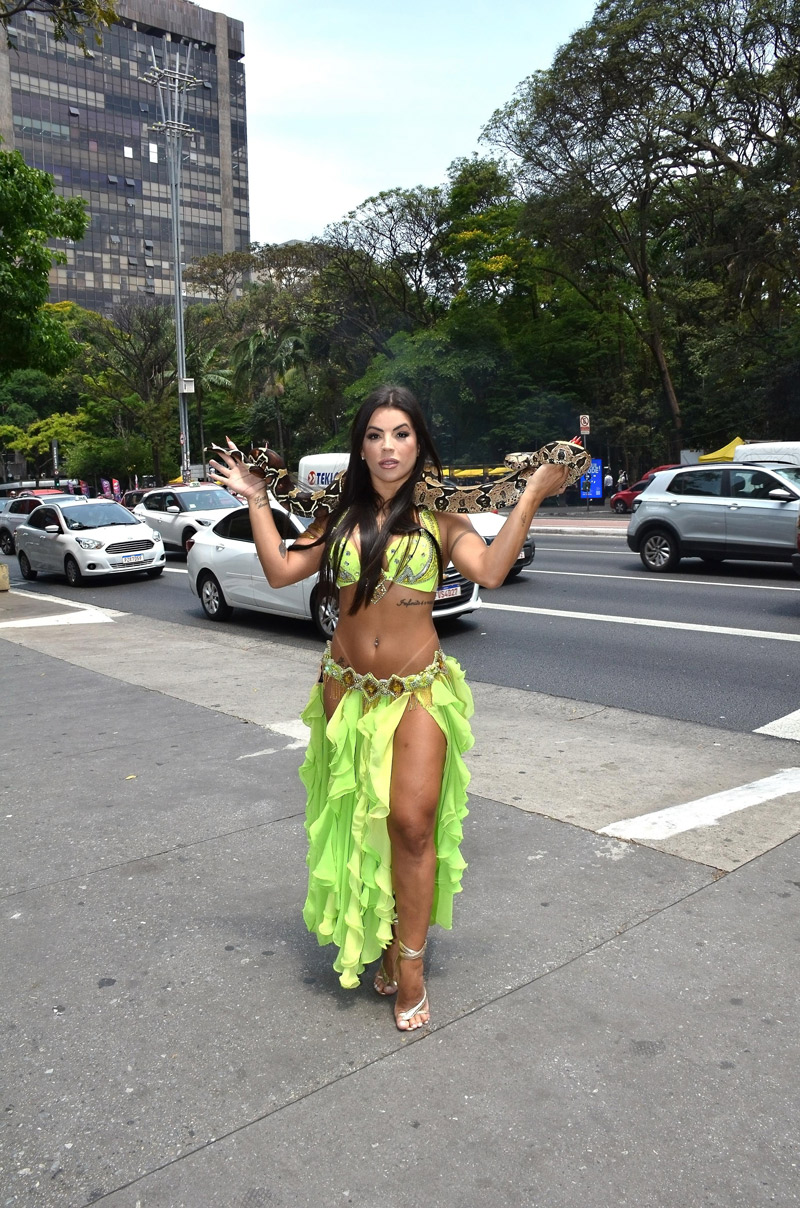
column 725, row 453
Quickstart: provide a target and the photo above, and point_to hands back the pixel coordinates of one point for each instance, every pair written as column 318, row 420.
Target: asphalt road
column 719, row 646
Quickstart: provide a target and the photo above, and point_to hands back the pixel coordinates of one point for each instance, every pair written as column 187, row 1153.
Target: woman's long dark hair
column 358, row 505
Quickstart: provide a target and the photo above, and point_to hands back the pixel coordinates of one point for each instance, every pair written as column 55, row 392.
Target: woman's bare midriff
column 395, row 636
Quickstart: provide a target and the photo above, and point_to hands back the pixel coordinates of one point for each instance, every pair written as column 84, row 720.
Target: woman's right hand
column 231, row 472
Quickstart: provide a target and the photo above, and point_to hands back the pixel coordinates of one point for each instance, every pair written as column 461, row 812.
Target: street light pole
column 172, row 84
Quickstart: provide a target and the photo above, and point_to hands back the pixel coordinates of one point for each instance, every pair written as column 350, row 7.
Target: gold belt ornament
column 372, row 688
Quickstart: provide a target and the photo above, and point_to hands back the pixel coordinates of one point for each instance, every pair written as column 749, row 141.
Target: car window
column 697, row 482
column 96, row 514
column 752, row 484
column 45, row 516
column 239, row 527
column 791, row 474
column 36, row 520
column 285, row 525
column 154, row 503
column 211, row 500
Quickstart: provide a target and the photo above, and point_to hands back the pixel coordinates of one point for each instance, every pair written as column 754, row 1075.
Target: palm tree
column 261, row 364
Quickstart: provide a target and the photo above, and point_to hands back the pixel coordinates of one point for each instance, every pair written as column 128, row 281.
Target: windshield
column 96, row 515
column 212, row 500
column 790, row 473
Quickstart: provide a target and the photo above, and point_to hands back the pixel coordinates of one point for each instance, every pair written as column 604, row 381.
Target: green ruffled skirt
column 347, row 773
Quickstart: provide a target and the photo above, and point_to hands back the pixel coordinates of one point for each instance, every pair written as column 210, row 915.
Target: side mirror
column 173, row 509
column 52, row 528
column 782, row 495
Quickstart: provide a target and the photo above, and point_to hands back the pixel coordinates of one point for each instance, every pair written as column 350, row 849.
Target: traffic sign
column 585, row 427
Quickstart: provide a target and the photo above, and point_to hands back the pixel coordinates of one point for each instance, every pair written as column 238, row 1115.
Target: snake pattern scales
column 437, row 494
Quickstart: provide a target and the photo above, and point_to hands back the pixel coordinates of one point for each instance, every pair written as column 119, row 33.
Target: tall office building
column 88, row 120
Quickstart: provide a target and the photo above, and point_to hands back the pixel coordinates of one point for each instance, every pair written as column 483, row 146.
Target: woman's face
column 390, row 447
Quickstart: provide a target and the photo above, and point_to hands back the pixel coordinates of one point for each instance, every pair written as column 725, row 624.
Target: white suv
column 178, row 513
column 742, row 510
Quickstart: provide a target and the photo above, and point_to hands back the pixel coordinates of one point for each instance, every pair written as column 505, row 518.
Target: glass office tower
column 87, row 119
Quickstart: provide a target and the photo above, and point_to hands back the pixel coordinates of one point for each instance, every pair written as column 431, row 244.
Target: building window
column 75, row 112
column 127, row 152
column 113, row 180
column 92, row 144
column 153, row 148
column 130, row 181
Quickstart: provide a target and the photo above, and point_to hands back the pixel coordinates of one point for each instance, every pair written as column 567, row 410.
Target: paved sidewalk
column 613, row 1023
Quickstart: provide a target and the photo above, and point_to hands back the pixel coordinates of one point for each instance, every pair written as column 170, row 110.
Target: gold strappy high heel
column 404, row 953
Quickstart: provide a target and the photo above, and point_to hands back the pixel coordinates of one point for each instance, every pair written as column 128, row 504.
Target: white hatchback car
column 180, row 512
column 224, row 572
column 87, row 537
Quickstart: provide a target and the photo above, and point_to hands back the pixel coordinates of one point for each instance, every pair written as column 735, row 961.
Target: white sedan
column 87, row 537
column 179, row 512
column 224, row 572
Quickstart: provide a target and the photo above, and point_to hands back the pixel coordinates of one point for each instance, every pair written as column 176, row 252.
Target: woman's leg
column 417, row 765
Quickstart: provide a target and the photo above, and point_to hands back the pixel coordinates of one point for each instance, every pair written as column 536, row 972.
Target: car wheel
column 620, row 506
column 659, row 551
column 73, row 572
column 25, row 568
column 215, row 606
column 324, row 614
column 6, row 542
column 154, row 572
column 514, row 573
column 187, row 536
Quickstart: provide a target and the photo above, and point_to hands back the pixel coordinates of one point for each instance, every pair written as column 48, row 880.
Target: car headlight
column 205, row 523
column 89, row 543
column 635, row 504
column 155, row 535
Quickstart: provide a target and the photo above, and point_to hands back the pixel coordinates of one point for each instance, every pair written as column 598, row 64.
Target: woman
column 384, row 773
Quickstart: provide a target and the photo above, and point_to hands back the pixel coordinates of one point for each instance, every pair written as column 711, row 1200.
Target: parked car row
column 80, row 537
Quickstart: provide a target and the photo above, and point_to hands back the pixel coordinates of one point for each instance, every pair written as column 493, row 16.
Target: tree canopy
column 70, row 18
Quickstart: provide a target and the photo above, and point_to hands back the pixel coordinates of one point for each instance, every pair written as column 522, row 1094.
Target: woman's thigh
column 418, row 759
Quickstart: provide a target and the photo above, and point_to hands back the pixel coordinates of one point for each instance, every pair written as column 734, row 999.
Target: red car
column 622, row 501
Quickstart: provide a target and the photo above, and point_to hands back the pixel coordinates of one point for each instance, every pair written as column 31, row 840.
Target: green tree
column 651, row 122
column 70, row 18
column 31, row 212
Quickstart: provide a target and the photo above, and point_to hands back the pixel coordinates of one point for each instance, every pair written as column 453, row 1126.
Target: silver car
column 179, row 512
column 743, row 511
column 224, row 572
column 86, row 538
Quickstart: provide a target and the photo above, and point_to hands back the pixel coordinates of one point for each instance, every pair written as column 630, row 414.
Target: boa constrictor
column 441, row 495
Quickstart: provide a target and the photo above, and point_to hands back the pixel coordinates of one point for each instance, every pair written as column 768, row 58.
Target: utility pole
column 172, row 84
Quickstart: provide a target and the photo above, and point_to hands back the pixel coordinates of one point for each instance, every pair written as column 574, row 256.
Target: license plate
column 133, row 558
column 449, row 593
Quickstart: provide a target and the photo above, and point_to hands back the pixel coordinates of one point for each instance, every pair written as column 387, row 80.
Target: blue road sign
column 592, row 483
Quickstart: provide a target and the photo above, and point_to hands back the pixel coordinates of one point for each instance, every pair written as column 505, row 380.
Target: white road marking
column 84, row 614
column 255, row 754
column 93, row 617
column 40, row 595
column 295, row 729
column 175, row 570
column 705, row 811
column 585, row 574
column 783, row 727
column 763, row 634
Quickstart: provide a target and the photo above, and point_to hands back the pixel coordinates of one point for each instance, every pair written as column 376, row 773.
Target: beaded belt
column 393, row 687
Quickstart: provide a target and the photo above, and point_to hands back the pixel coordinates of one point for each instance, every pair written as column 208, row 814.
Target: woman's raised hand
column 227, row 470
column 548, row 479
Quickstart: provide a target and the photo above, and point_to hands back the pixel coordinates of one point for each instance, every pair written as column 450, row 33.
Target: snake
column 431, row 492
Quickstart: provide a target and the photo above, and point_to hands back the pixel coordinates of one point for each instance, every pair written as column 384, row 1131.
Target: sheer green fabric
column 347, row 775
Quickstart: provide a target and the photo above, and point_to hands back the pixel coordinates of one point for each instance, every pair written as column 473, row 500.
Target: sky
column 347, row 100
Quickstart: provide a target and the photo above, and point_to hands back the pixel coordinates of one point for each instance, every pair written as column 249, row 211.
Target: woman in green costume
column 389, row 718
